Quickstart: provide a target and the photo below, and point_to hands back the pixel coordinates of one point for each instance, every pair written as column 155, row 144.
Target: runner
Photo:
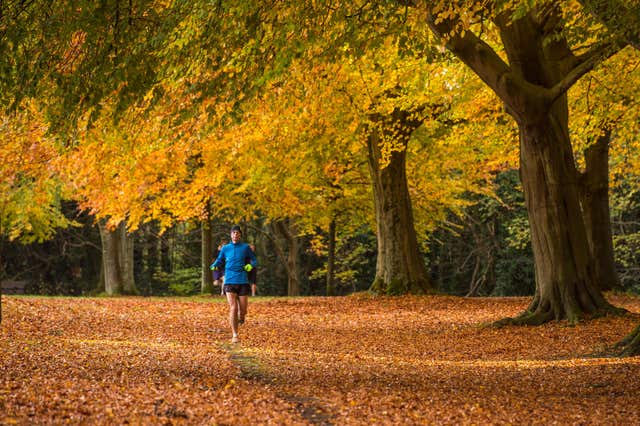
column 236, row 282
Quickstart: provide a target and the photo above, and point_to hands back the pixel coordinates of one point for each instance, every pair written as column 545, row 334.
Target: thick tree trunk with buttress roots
column 565, row 279
column 400, row 268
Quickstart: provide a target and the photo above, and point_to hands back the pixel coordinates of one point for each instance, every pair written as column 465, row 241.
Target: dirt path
column 309, row 408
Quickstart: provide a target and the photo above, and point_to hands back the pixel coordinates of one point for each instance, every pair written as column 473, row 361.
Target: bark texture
column 400, row 268
column 565, row 277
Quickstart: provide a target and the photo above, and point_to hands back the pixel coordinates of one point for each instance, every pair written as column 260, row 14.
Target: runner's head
column 236, row 233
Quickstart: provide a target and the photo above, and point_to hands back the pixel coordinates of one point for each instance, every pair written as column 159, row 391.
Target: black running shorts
column 239, row 289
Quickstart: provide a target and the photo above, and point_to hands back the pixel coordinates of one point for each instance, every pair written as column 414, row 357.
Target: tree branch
column 473, row 51
column 586, row 62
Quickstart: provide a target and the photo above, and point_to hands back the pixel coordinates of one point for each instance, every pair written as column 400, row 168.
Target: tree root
column 609, row 311
column 536, row 318
column 630, row 345
column 525, row 318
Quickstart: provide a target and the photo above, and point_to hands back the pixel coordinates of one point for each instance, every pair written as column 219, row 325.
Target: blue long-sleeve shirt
column 233, row 256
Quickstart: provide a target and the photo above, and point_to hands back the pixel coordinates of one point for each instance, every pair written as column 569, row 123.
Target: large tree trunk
column 597, row 216
column 331, row 259
column 400, row 268
column 565, row 280
column 533, row 87
column 206, row 285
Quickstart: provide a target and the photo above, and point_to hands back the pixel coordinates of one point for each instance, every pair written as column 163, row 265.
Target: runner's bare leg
column 232, row 300
column 243, row 303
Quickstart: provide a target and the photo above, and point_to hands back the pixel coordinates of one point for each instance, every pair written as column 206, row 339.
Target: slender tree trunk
column 150, row 259
column 110, row 260
column 331, row 259
column 484, row 239
column 400, row 269
column 126, row 260
column 164, row 252
column 597, row 216
column 206, row 286
column 285, row 229
column 293, row 284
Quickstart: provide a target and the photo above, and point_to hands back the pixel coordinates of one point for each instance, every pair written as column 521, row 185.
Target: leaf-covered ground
column 350, row 360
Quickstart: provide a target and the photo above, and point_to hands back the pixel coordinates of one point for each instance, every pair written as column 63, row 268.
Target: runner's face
column 235, row 236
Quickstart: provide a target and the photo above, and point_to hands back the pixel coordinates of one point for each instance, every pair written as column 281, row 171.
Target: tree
column 399, row 269
column 603, row 110
column 623, row 18
column 70, row 57
column 533, row 86
column 286, row 231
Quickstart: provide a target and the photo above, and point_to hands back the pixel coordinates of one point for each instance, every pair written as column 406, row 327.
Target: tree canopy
column 187, row 110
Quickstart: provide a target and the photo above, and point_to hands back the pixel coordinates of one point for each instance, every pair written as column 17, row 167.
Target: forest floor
column 346, row 360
